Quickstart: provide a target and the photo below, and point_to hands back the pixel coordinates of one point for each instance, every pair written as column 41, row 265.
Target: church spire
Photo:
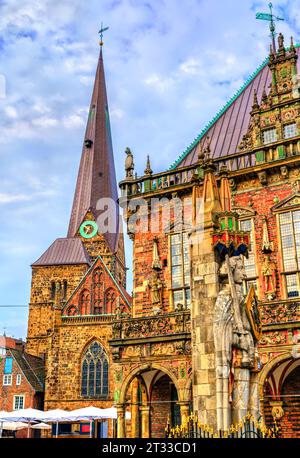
column 96, row 177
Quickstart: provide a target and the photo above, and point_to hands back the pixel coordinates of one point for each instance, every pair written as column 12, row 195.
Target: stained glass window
column 180, row 269
column 290, row 244
column 94, row 372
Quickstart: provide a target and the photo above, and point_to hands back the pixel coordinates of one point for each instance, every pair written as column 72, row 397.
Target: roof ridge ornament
column 102, row 29
column 271, row 18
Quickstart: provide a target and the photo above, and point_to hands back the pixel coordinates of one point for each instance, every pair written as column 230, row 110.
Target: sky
column 170, row 66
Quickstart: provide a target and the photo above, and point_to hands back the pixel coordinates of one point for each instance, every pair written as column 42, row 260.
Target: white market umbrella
column 41, row 426
column 56, row 416
column 86, row 413
column 14, row 425
column 23, row 415
column 111, row 412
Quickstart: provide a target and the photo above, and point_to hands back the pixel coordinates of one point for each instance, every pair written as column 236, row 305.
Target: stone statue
column 268, row 271
column 234, row 345
column 155, row 286
column 129, row 165
column 280, row 40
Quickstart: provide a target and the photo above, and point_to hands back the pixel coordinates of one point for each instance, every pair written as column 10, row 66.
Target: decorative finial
column 206, row 149
column 264, row 95
column 292, row 47
column 148, row 170
column 271, row 55
column 255, row 105
column 103, row 29
column 271, row 18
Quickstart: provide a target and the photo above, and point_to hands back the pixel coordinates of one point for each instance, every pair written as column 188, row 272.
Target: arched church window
column 98, row 291
column 84, row 302
column 110, row 300
column 94, row 373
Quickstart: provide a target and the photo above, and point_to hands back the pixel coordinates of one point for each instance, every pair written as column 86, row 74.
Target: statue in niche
column 269, row 278
column 155, row 285
column 235, row 345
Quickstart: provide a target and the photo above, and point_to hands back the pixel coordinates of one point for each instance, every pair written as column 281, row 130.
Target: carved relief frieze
column 274, row 338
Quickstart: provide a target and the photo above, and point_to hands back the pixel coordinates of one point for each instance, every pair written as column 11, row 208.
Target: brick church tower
column 78, row 284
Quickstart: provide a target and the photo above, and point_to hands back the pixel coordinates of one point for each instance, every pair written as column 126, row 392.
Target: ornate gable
column 98, row 293
column 289, row 203
column 244, row 212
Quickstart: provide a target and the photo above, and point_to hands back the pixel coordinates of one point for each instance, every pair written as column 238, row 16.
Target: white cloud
column 160, row 83
column 116, row 113
column 191, row 66
column 10, row 198
column 73, row 121
column 11, row 112
column 87, row 80
column 45, row 122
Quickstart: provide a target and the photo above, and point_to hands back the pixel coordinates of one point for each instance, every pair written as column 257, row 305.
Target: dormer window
column 290, row 130
column 269, row 136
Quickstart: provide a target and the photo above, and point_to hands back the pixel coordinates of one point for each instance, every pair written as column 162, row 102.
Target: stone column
column 205, row 288
column 184, row 411
column 134, row 409
column 121, row 421
column 240, row 397
column 254, row 402
column 145, row 412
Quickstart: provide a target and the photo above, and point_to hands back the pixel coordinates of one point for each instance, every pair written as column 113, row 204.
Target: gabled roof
column 32, row 368
column 64, row 251
column 96, row 177
column 227, row 128
column 126, row 296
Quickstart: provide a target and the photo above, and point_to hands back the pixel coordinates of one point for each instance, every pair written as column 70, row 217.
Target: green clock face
column 88, row 229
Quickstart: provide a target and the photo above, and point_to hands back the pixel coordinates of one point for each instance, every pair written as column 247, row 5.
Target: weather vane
column 103, row 29
column 270, row 17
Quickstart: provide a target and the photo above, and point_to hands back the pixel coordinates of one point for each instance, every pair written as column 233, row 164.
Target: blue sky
column 170, row 66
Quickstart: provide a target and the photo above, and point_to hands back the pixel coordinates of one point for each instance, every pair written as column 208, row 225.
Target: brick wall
column 261, row 200
column 160, row 406
column 143, row 257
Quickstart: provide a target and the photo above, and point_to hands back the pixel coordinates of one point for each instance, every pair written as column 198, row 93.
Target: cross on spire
column 270, row 17
column 103, row 29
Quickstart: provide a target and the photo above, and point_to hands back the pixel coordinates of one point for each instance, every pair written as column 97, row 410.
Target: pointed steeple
column 225, row 193
column 148, row 170
column 96, row 177
column 255, row 105
column 211, row 195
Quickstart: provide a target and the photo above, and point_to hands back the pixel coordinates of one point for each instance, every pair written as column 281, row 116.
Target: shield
column 253, row 313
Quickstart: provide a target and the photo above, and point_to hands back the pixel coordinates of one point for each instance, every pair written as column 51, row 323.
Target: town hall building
column 171, row 348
